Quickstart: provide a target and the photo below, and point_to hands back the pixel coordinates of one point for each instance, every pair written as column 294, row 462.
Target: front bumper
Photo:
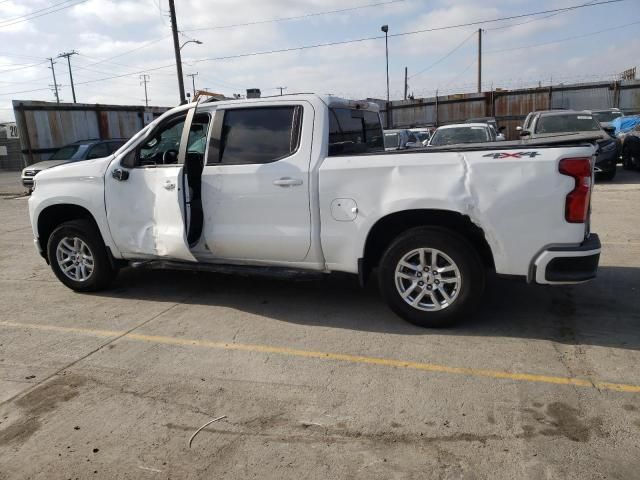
column 562, row 265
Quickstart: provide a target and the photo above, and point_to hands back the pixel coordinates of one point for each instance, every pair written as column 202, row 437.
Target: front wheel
column 431, row 277
column 78, row 256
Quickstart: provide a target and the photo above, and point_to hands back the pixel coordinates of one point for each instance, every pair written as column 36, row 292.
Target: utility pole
column 281, row 89
column 55, row 84
column 193, row 82
column 176, row 48
column 144, row 79
column 68, row 55
column 405, row 83
column 479, row 60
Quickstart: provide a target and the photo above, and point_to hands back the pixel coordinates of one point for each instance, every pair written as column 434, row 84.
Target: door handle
column 169, row 185
column 120, row 174
column 287, row 182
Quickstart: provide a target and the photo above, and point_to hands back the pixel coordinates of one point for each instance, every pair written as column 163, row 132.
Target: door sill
column 244, row 270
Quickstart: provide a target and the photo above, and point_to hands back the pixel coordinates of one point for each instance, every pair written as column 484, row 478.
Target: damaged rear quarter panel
column 517, row 202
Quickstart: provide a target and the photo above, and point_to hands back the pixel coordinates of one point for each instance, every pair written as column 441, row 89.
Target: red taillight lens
column 576, row 208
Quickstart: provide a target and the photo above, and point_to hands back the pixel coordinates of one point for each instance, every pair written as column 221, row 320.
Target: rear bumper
column 562, row 265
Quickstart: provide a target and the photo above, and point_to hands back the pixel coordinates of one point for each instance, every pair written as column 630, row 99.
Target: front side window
column 354, row 131
column 567, row 123
column 163, row 147
column 257, row 135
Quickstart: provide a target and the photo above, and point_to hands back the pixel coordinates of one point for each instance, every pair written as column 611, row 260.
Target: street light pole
column 385, row 29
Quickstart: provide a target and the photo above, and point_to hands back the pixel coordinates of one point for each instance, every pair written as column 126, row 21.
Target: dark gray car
column 74, row 152
column 549, row 123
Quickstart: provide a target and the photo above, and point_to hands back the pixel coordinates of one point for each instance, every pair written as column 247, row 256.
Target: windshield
column 452, row 136
column 391, row 140
column 65, row 153
column 567, row 123
column 604, row 117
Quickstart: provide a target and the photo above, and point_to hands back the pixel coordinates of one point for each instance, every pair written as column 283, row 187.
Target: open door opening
column 193, row 166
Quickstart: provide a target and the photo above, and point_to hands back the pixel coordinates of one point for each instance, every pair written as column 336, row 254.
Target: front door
column 255, row 185
column 144, row 194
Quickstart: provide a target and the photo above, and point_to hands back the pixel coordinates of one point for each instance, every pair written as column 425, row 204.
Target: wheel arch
column 387, row 228
column 54, row 215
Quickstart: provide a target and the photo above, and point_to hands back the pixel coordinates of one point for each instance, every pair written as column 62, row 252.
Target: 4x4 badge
column 512, row 155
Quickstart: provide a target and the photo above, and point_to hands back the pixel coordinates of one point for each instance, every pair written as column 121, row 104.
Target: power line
column 296, row 17
column 30, row 16
column 6, row 20
column 402, row 34
column 563, row 39
column 444, row 57
column 24, row 67
column 533, row 20
column 343, row 42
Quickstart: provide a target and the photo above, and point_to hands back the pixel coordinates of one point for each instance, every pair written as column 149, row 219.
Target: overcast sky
column 104, row 32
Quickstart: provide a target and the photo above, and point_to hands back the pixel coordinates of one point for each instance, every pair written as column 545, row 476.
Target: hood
column 46, row 164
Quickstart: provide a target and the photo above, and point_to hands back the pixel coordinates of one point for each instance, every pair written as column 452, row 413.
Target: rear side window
column 257, row 135
column 354, row 131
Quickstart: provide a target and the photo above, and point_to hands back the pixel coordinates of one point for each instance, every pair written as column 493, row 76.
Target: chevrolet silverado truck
column 302, row 183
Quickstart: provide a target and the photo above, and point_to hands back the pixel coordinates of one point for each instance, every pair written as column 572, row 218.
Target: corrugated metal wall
column 46, row 126
column 511, row 107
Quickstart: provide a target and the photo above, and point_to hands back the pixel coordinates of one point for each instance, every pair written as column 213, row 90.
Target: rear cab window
column 354, row 131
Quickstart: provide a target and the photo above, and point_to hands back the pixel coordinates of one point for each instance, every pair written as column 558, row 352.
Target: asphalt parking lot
column 316, row 378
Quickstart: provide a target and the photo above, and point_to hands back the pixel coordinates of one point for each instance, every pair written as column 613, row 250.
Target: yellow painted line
column 342, row 357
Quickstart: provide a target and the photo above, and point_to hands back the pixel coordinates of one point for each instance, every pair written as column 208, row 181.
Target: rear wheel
column 431, row 277
column 78, row 256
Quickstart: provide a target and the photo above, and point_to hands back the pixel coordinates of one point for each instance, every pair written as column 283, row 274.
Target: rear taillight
column 576, row 208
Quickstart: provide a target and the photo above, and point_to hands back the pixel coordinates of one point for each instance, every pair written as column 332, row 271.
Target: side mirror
column 610, row 130
column 502, row 129
column 524, row 133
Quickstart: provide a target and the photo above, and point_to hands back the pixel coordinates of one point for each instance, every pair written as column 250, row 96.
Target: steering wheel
column 169, row 157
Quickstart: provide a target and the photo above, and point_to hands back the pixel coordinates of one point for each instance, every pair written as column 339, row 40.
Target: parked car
column 631, row 149
column 399, row 139
column 606, row 116
column 81, row 150
column 422, row 135
column 549, row 123
column 463, row 133
column 302, row 182
column 490, row 121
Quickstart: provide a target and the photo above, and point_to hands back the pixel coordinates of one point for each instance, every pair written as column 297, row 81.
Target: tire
column 93, row 271
column 626, row 159
column 608, row 176
column 452, row 250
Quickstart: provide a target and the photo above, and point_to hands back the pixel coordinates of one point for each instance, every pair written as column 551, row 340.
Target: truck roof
column 328, row 99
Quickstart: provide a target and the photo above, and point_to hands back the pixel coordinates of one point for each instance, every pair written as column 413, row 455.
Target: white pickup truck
column 303, row 182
